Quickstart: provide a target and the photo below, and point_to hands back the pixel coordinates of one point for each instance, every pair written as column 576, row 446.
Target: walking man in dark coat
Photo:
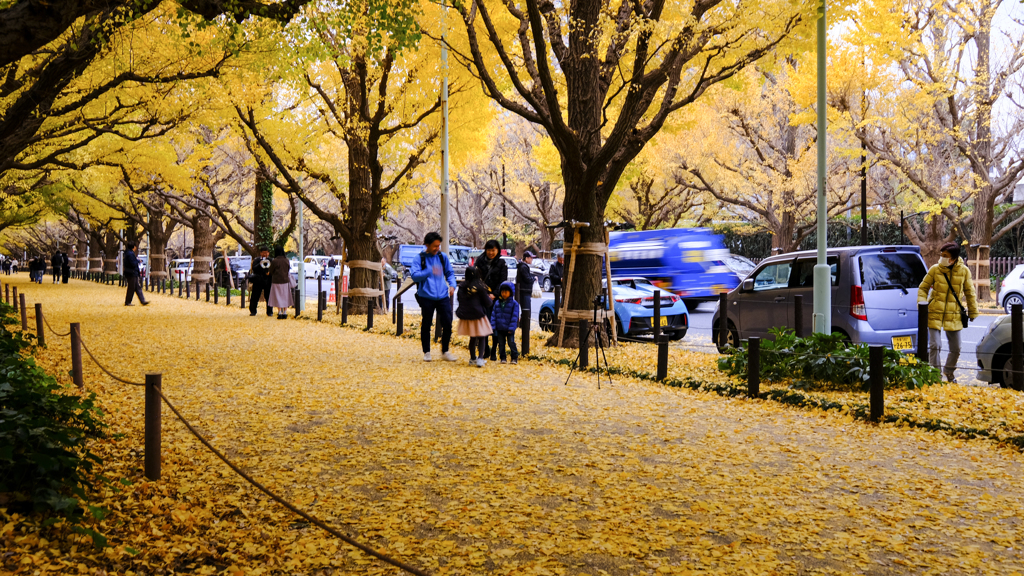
column 55, row 264
column 65, row 267
column 130, row 267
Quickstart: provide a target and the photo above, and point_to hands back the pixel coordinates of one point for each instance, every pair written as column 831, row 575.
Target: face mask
column 952, row 261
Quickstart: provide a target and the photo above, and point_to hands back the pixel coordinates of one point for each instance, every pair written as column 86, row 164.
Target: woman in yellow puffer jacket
column 943, row 311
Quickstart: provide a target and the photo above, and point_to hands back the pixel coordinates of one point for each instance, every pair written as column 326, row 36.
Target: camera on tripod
column 599, row 301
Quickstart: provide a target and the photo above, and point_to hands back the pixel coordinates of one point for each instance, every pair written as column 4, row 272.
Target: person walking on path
column 130, row 267
column 280, row 284
column 55, row 264
column 505, row 320
column 474, row 315
column 259, row 278
column 951, row 285
column 493, row 272
column 65, row 267
column 557, row 270
column 435, row 284
column 524, row 281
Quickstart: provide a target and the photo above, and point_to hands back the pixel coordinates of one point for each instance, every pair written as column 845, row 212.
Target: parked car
column 740, row 266
column 634, row 313
column 1011, row 291
column 874, row 295
column 540, row 269
column 239, row 265
column 689, row 262
column 636, row 283
column 181, row 269
column 315, row 266
column 512, row 263
column 459, row 256
column 994, row 353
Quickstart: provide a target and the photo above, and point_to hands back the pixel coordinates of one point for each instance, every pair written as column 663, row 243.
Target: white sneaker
column 480, row 362
column 426, row 357
column 448, row 357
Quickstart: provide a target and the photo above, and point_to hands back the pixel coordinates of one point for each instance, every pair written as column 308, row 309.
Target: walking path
column 499, row 470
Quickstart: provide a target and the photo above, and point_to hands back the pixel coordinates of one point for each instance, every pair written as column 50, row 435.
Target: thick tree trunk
column 111, row 246
column 203, row 242
column 82, row 252
column 95, row 254
column 363, row 248
column 263, row 215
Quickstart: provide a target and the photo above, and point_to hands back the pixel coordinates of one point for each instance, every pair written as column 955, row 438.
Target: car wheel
column 731, row 339
column 546, row 319
column 1002, row 370
column 546, row 285
column 1011, row 300
column 677, row 335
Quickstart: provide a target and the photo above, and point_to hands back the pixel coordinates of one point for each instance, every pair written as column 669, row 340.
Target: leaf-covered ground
column 499, row 470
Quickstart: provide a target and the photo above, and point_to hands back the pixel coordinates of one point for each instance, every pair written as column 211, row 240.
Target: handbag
column 963, row 313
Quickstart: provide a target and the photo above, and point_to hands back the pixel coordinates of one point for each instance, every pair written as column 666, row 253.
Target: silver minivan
column 874, row 295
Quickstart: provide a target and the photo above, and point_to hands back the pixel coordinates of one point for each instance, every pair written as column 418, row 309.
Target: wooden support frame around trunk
column 568, row 283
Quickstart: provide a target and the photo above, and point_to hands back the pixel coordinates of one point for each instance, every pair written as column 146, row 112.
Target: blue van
column 689, row 262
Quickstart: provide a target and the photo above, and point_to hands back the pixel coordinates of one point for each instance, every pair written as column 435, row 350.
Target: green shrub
column 45, row 463
column 827, row 361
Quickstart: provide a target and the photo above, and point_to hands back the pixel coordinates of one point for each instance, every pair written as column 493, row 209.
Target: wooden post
column 608, row 282
column 568, row 283
column 151, row 455
column 40, row 335
column 24, row 313
column 877, row 377
column 320, row 305
column 76, row 355
column 753, row 367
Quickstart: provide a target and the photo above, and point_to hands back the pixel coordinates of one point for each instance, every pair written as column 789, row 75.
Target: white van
column 313, row 266
column 181, row 269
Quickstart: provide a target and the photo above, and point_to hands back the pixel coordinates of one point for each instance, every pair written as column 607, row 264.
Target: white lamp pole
column 302, row 255
column 444, row 133
column 822, row 271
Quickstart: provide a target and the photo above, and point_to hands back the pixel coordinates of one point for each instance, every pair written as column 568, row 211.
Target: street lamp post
column 301, row 304
column 444, row 134
column 822, row 272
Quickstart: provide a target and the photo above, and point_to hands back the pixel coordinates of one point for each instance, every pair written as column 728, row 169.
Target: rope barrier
column 311, row 519
column 55, row 333
column 89, row 352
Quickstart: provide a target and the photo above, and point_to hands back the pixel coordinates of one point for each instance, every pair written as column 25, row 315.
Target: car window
column 891, row 271
column 803, row 276
column 773, row 276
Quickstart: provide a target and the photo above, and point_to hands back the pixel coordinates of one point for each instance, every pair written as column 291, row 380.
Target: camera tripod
column 594, row 329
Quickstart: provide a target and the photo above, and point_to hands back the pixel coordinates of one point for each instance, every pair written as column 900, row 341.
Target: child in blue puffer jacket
column 505, row 320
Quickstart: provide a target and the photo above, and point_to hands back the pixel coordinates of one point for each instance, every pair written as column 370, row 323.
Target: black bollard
column 877, row 377
column 662, row 358
column 584, row 328
column 526, row 335
column 241, row 287
column 798, row 315
column 369, row 314
column 24, row 313
column 295, row 299
column 922, row 332
column 1017, row 347
column 399, row 319
column 344, row 310
column 179, row 288
column 321, row 298
column 558, row 306
column 207, row 292
column 656, row 321
column 216, row 294
column 753, row 367
column 723, row 320
column 151, row 457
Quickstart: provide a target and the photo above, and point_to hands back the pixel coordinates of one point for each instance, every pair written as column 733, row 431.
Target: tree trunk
column 111, row 245
column 95, row 257
column 363, row 248
column 203, row 242
column 82, row 249
column 263, row 215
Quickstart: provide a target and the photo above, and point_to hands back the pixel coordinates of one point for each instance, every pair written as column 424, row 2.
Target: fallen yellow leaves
column 500, row 470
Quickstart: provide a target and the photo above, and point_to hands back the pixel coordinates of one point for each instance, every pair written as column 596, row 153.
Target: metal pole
column 525, row 322
column 227, row 295
column 656, row 321
column 242, row 288
column 1016, row 346
column 922, row 331
column 76, row 355
column 369, row 314
column 753, row 367
column 662, row 357
column 300, row 301
column 723, row 320
column 344, row 310
column 24, row 313
column 400, row 319
column 863, row 194
column 822, row 275
column 152, row 446
column 877, row 371
column 558, row 304
column 444, row 131
column 40, row 335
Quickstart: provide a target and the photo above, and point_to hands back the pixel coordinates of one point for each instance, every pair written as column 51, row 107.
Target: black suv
column 240, row 266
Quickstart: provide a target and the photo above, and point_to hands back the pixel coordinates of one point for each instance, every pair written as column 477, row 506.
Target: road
column 699, row 335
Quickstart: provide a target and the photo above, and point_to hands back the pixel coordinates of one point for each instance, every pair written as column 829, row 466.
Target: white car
column 181, row 269
column 512, row 263
column 313, row 266
column 1011, row 291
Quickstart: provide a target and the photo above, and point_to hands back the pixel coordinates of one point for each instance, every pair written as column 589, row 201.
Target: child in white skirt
column 474, row 315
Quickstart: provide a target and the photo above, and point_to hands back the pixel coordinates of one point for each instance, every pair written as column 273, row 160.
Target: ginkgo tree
column 603, row 76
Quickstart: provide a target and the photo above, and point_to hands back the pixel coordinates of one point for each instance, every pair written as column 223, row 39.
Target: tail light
column 857, row 308
column 629, row 300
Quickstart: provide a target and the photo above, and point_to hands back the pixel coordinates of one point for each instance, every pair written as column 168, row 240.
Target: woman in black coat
column 493, row 271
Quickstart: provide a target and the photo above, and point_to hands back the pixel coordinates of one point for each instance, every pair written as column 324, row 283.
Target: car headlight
column 991, row 328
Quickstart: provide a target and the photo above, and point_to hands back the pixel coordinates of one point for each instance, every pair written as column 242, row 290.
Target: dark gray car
column 874, row 295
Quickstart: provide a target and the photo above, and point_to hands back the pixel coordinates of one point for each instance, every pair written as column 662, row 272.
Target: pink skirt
column 475, row 328
column 280, row 296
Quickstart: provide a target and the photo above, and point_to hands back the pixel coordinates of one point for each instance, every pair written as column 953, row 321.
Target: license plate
column 902, row 342
column 664, row 320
